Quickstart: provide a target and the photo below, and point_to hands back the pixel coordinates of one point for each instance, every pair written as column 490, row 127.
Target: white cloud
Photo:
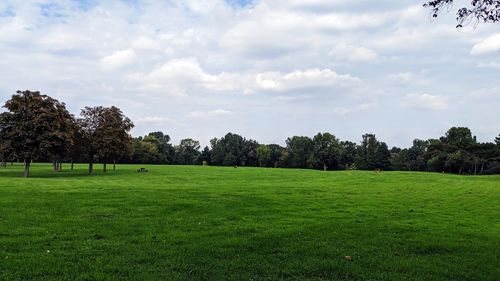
column 210, row 114
column 353, row 109
column 494, row 65
column 188, row 72
column 409, row 78
column 425, row 101
column 490, row 44
column 155, row 120
column 353, row 53
column 273, row 61
column 146, row 43
column 310, row 78
column 118, row 59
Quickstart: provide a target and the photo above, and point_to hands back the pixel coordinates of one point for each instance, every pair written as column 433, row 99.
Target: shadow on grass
column 38, row 172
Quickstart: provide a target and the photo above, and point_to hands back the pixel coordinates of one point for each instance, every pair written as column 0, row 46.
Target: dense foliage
column 455, row 152
column 38, row 127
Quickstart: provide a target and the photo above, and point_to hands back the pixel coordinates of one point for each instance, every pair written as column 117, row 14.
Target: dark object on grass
column 142, row 170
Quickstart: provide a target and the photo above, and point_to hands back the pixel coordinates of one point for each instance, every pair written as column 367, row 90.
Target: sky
column 265, row 69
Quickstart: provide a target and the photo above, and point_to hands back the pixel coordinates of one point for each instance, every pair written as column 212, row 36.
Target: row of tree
column 38, row 127
column 456, row 152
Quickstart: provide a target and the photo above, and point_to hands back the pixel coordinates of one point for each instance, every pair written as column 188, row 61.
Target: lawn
column 215, row 223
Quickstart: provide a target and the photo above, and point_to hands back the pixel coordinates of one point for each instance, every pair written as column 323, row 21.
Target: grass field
column 214, row 223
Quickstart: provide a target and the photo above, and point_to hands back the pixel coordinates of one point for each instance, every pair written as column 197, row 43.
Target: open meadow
column 222, row 223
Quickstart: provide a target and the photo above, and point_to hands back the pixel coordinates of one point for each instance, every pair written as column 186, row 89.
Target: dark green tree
column 326, row 151
column 382, row 157
column 187, row 152
column 263, row 155
column 365, row 153
column 299, row 152
column 347, row 154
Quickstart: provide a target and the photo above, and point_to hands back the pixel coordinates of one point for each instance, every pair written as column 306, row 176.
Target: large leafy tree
column 347, row 154
column 187, row 152
column 326, row 151
column 63, row 136
column 382, row 157
column 263, row 155
column 365, row 152
column 35, row 125
column 487, row 11
column 299, row 151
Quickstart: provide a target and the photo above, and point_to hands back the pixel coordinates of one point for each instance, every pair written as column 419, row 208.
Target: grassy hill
column 214, row 223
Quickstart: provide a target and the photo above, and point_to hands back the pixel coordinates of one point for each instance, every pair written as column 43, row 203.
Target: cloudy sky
column 266, row 69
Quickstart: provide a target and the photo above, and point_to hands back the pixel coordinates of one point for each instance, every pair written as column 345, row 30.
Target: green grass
column 214, row 223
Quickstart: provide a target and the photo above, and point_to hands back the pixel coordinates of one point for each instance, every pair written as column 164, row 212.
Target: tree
column 347, row 154
column 62, row 137
column 326, row 151
column 416, row 155
column 276, row 151
column 115, row 140
column 105, row 131
column 144, row 151
column 263, row 155
column 299, row 151
column 382, row 157
column 187, row 152
column 31, row 125
column 205, row 156
column 486, row 11
column 459, row 138
column 6, row 150
column 233, row 150
column 165, row 149
column 365, row 153
column 400, row 159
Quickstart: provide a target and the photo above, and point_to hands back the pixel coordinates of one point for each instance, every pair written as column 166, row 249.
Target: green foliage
column 187, row 152
column 263, row 155
column 300, row 151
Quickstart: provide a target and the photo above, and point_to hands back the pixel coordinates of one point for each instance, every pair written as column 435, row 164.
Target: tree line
column 457, row 151
column 36, row 127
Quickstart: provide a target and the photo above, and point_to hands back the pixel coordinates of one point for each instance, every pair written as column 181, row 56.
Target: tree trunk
column 54, row 165
column 482, row 168
column 324, row 167
column 91, row 167
column 104, row 169
column 71, row 164
column 27, row 165
column 460, row 171
column 475, row 168
column 60, row 166
column 114, row 165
